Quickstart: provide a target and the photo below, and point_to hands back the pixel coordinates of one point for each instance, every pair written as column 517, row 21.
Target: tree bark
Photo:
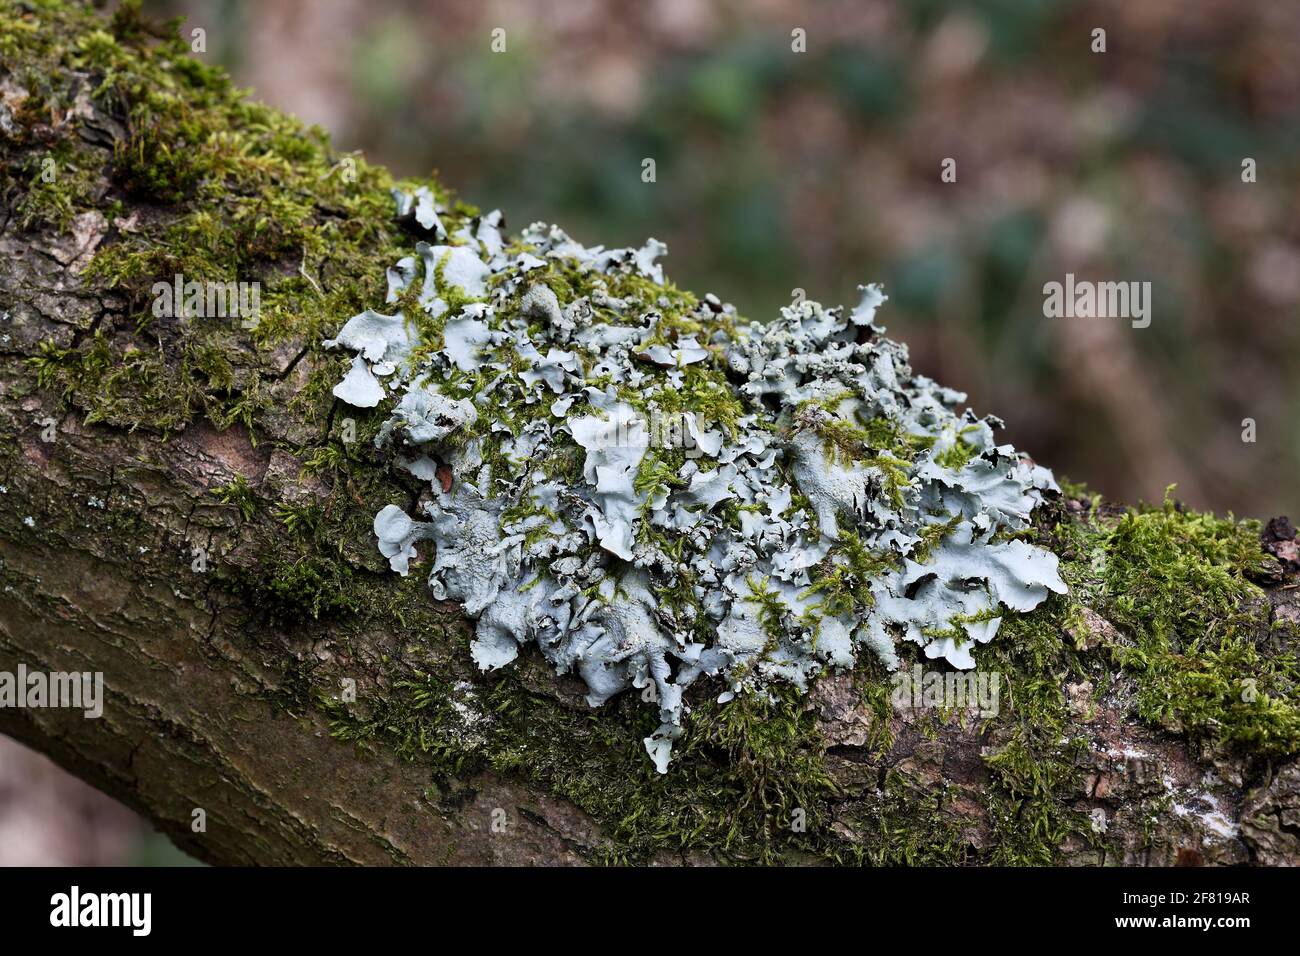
column 221, row 718
column 191, row 720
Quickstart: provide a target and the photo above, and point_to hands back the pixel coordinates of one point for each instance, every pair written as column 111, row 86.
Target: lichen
column 810, row 497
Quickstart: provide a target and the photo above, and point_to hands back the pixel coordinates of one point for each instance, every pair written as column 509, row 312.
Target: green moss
column 290, row 589
column 748, row 783
column 878, row 441
column 313, row 558
column 706, row 393
column 956, row 456
column 59, row 184
column 1035, row 780
column 906, row 825
column 133, row 387
column 1034, row 764
column 770, row 610
column 876, row 693
column 1178, row 581
column 931, row 535
column 1158, row 558
column 659, row 472
column 239, row 494
column 843, row 441
column 233, row 191
column 847, row 573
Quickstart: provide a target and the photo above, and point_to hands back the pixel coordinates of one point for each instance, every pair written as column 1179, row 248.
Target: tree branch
column 182, row 513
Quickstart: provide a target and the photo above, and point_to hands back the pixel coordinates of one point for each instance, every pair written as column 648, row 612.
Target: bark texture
column 196, row 715
column 220, row 700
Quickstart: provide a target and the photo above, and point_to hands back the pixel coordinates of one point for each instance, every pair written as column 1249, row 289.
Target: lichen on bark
column 1161, row 692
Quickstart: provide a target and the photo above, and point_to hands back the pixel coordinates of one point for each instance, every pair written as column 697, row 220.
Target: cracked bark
column 196, row 715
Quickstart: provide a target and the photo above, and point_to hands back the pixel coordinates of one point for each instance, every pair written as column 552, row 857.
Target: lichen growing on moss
column 625, row 463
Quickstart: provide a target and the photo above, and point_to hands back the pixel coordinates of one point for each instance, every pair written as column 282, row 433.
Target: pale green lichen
column 687, row 436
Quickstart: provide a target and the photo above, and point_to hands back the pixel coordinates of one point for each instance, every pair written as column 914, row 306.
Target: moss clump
column 160, row 389
column 239, row 494
column 57, row 185
column 906, row 825
column 1034, row 768
column 848, row 570
column 877, row 441
column 228, row 190
column 749, row 783
column 1178, row 581
column 308, row 569
column 308, row 585
column 1158, row 559
column 415, row 718
column 956, row 456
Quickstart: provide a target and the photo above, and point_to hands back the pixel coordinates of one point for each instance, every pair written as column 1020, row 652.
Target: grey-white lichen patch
column 651, row 490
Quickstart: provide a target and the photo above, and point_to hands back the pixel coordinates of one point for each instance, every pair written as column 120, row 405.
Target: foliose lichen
column 652, row 490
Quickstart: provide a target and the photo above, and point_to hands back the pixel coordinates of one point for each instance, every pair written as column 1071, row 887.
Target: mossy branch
column 319, row 709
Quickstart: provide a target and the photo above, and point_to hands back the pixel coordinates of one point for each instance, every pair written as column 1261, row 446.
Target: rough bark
column 191, row 720
column 216, row 705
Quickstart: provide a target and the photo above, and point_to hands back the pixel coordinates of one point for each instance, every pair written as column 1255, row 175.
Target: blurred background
column 820, row 170
column 50, row 818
